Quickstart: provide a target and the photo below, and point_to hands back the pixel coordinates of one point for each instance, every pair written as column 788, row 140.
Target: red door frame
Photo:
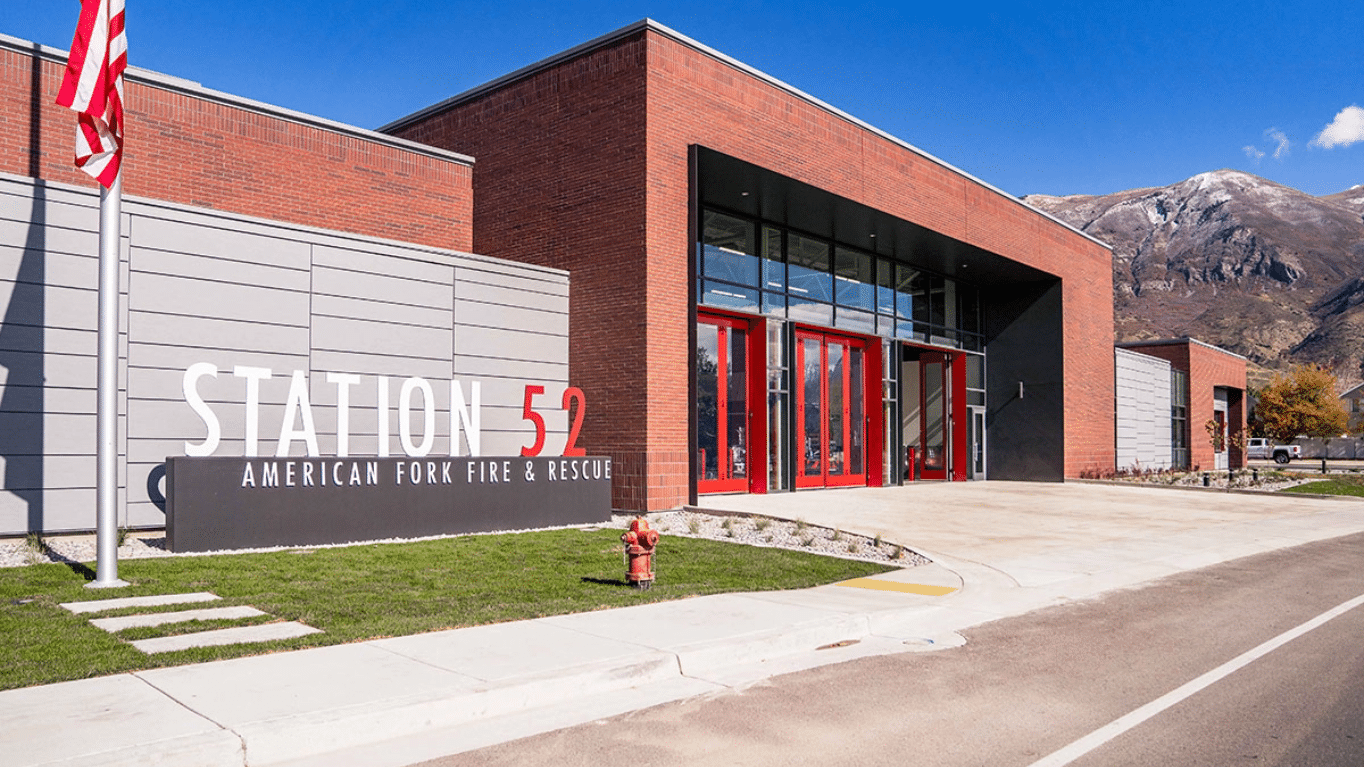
column 871, row 408
column 755, row 394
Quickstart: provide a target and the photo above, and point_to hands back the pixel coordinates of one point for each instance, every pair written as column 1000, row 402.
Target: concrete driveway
column 1036, row 533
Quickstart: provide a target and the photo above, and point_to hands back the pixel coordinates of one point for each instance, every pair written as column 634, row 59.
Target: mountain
column 1236, row 260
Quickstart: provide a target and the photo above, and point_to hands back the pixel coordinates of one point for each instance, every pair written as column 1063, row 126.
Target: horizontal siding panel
column 199, row 298
column 148, row 355
column 516, row 278
column 51, row 305
column 366, row 336
column 373, row 262
column 510, row 344
column 511, row 318
column 494, row 294
column 204, row 239
column 66, row 371
column 74, row 266
column 171, row 264
column 378, row 287
column 216, row 335
column 380, row 311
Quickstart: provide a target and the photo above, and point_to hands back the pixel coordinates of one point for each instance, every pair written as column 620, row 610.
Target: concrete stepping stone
column 100, row 605
column 241, row 635
column 158, row 619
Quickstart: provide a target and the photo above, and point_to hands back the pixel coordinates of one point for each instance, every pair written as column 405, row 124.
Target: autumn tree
column 1301, row 403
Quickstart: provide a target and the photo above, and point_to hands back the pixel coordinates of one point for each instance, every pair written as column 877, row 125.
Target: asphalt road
column 1025, row 688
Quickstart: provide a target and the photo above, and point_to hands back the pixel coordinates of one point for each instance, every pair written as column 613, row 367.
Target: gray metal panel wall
column 1143, row 420
column 205, row 287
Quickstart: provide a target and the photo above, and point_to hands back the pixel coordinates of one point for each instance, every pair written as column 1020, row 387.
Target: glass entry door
column 830, row 410
column 975, row 439
column 722, row 460
column 934, row 388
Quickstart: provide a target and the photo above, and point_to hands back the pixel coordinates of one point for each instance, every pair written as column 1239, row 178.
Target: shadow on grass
column 78, row 568
column 606, row 581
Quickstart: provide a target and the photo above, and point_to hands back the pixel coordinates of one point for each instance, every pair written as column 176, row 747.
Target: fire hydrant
column 639, row 543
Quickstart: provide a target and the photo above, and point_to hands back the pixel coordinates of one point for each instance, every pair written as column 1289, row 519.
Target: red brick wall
column 584, row 166
column 560, row 181
column 1207, row 367
column 194, row 151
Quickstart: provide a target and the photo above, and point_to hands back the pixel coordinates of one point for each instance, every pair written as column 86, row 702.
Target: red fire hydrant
column 639, row 543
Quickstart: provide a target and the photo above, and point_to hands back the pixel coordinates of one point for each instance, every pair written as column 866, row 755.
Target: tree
column 1301, row 403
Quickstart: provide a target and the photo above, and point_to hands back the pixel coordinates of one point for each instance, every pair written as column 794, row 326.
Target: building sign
column 228, row 502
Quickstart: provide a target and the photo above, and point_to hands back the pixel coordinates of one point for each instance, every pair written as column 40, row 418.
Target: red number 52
column 571, row 394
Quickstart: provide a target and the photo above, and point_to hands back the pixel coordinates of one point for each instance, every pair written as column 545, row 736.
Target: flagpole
column 106, row 418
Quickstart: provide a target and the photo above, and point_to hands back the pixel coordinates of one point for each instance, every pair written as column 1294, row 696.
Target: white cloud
column 1252, row 152
column 1279, row 138
column 1346, row 129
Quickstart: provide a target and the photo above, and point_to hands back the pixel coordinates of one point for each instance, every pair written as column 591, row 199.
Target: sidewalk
column 402, row 700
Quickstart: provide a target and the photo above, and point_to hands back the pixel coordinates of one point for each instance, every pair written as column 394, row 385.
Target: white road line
column 1122, row 724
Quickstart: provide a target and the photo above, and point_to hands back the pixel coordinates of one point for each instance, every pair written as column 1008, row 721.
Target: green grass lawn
column 370, row 591
column 1334, row 484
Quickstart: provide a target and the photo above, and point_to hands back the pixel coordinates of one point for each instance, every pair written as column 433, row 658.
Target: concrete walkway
column 1000, row 549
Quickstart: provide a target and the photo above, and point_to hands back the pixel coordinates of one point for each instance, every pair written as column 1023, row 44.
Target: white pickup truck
column 1259, row 447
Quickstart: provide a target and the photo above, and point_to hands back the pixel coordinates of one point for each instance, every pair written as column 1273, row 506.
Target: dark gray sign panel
column 231, row 503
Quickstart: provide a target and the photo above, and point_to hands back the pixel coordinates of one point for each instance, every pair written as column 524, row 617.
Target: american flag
column 93, row 87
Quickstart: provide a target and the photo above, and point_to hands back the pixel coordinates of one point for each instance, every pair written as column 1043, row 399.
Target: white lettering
column 248, row 477
column 398, row 473
column 355, row 473
column 336, row 475
column 307, row 474
column 430, row 472
column 269, row 475
column 297, row 405
column 506, row 471
column 382, row 401
column 190, row 386
column 445, row 473
column 253, row 378
column 343, row 383
column 371, row 472
column 470, row 417
column 415, row 472
column 405, row 417
column 552, row 477
column 608, row 468
column 471, row 472
column 289, row 474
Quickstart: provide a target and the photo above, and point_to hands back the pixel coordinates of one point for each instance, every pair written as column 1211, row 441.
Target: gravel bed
column 1270, row 481
column 755, row 531
column 778, row 533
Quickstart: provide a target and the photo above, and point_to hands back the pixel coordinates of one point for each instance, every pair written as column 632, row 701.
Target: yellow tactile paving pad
column 907, row 588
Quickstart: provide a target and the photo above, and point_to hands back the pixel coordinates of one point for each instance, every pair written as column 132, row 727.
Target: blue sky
column 1058, row 98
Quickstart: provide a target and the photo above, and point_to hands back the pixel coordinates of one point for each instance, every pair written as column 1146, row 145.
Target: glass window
column 774, row 304
column 855, row 321
column 885, row 286
column 729, row 249
column 728, row 296
column 811, row 312
column 808, row 272
column 975, row 371
column 855, row 278
column 774, row 263
column 937, row 305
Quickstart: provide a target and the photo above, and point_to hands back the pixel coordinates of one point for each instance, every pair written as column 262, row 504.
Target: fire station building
column 769, row 294
column 755, row 291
